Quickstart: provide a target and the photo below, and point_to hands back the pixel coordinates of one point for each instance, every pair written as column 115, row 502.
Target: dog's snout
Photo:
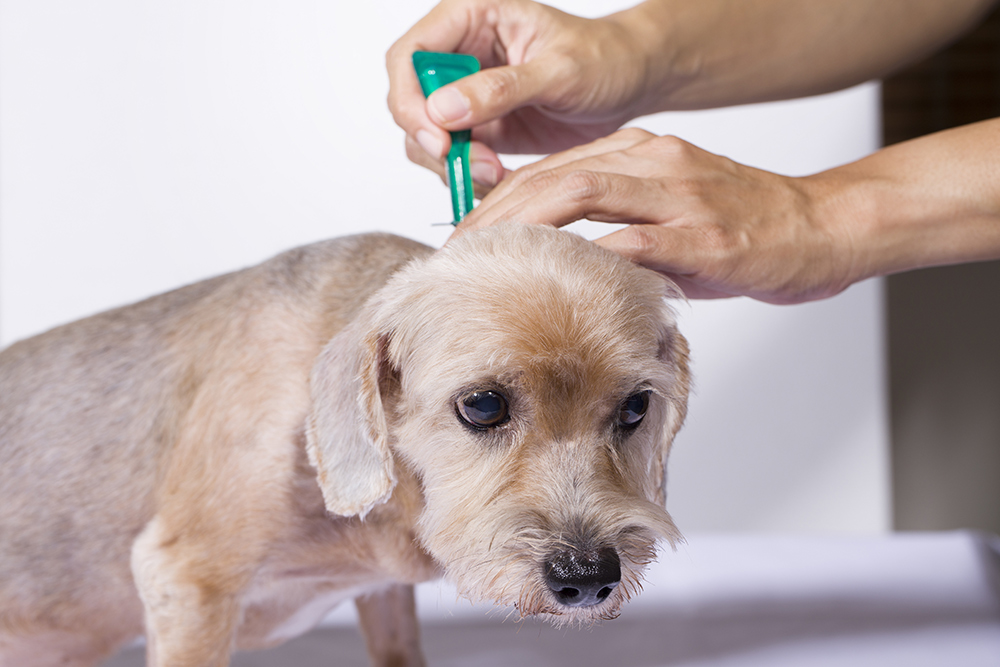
column 583, row 579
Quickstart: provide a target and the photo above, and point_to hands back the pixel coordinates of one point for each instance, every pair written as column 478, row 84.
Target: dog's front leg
column 389, row 624
column 190, row 613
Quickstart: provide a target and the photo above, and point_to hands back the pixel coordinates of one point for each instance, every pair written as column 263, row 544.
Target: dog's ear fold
column 673, row 352
column 347, row 433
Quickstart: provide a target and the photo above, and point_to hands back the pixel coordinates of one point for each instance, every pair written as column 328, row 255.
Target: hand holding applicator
column 439, row 69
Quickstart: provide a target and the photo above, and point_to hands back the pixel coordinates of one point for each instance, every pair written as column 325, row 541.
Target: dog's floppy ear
column 347, row 434
column 674, row 352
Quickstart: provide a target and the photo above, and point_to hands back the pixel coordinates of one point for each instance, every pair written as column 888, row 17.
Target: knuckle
column 567, row 65
column 390, row 54
column 692, row 190
column 562, row 72
column 634, row 134
column 413, row 150
column 501, row 85
column 719, row 241
column 417, row 155
column 642, row 240
column 397, row 56
column 672, row 147
column 390, row 101
column 532, row 178
column 584, row 186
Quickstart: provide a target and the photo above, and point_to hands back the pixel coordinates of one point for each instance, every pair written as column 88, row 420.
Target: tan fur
column 218, row 466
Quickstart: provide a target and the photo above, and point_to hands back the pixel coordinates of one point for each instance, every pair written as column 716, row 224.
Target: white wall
column 145, row 145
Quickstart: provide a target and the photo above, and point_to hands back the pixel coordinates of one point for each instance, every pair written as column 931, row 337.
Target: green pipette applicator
column 439, row 69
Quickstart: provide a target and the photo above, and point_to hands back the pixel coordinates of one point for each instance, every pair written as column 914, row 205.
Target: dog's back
column 81, row 425
column 89, row 410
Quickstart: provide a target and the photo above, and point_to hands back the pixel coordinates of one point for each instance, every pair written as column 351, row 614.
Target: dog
column 219, row 466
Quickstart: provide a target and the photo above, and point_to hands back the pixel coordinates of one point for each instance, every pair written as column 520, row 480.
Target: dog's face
column 533, row 382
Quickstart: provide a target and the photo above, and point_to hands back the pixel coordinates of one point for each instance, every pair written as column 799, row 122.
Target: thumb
column 489, row 94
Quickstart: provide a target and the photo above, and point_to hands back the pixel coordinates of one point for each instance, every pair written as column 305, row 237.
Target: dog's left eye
column 483, row 409
column 634, row 409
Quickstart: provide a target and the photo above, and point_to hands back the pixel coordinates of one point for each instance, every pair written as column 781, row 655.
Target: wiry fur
column 219, row 465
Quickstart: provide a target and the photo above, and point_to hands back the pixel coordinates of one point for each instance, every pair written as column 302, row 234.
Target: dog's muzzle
column 583, row 579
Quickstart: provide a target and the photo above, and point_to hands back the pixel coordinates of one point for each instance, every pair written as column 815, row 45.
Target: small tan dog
column 219, row 466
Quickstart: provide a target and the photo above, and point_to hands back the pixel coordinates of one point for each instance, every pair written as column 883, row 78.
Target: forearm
column 926, row 202
column 710, row 53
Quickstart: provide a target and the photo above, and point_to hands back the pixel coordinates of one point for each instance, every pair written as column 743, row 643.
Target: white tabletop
column 913, row 600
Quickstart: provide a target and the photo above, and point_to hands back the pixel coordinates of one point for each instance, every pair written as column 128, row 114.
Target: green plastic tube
column 439, row 69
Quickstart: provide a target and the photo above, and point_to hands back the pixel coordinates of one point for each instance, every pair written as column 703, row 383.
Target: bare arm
column 926, row 202
column 720, row 52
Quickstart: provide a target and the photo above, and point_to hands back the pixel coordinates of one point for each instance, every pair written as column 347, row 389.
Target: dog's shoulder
column 328, row 279
column 342, row 267
column 333, row 278
column 358, row 259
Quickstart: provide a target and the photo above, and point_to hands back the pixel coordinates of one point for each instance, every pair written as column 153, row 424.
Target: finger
column 663, row 248
column 494, row 92
column 673, row 251
column 597, row 196
column 485, row 168
column 417, row 155
column 440, row 30
column 407, row 105
column 677, row 252
column 536, row 177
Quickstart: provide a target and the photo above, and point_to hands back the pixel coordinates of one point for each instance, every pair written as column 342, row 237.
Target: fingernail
column 448, row 105
column 484, row 173
column 430, row 143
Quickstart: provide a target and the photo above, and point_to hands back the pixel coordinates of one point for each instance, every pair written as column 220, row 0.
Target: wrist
column 907, row 207
column 659, row 54
column 845, row 208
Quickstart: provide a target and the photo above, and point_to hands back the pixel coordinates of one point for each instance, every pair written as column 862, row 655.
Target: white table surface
column 913, row 600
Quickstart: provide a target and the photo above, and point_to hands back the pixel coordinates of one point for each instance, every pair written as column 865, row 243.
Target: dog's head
column 533, row 382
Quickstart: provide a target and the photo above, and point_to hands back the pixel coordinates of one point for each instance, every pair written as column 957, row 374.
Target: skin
column 556, row 83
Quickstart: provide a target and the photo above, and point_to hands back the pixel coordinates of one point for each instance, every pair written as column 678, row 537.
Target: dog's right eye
column 483, row 409
column 632, row 411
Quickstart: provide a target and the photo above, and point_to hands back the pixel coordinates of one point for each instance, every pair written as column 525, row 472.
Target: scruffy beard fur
column 510, row 572
column 218, row 466
column 494, row 537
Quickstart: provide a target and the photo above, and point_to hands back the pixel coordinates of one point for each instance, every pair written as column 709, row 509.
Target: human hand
column 716, row 227
column 550, row 81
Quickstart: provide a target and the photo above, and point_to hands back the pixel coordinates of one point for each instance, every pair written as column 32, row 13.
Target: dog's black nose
column 583, row 579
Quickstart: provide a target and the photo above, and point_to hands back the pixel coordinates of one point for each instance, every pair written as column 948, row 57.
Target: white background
column 146, row 145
